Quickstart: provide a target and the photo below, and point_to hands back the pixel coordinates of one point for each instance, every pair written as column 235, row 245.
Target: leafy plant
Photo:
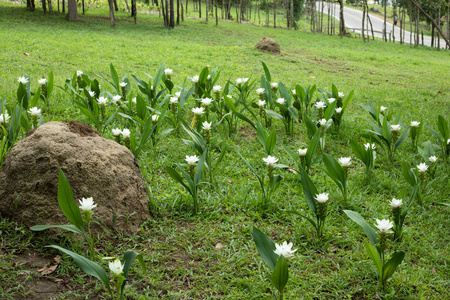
column 338, row 174
column 190, row 181
column 277, row 263
column 376, row 249
column 367, row 154
column 307, row 160
column 443, row 136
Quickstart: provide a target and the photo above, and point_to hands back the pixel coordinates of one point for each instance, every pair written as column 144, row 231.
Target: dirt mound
column 269, row 45
column 95, row 167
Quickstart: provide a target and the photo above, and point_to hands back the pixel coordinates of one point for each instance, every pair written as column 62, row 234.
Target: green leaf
column 88, row 266
column 347, row 100
column 443, row 127
column 198, row 168
column 409, row 175
column 310, row 126
column 312, row 148
column 436, row 134
column 334, row 170
column 174, row 174
column 244, row 118
column 158, row 77
column 274, row 114
column 67, row 204
column 309, row 190
column 390, row 267
column 271, row 141
column 128, row 258
column 331, row 109
column 65, row 227
column 50, row 84
column 375, row 256
column 265, row 248
column 360, row 152
column 115, row 78
column 371, row 234
column 267, row 72
column 401, row 139
column 280, row 274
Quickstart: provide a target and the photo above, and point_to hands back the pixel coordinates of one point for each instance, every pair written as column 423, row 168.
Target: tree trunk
column 362, row 23
column 207, row 10
column 115, row 5
column 82, row 5
column 134, row 10
column 292, row 14
column 172, row 14
column 44, row 6
column 178, row 12
column 182, row 11
column 341, row 19
column 384, row 22
column 63, row 6
column 72, row 8
column 111, row 13
column 200, row 9
column 274, row 14
column 217, row 15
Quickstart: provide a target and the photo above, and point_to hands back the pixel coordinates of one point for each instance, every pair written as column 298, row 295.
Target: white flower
column 369, row 146
column 345, row 161
column 155, row 118
column 432, row 159
column 198, row 111
column 338, row 110
column 383, row 109
column 195, row 79
column 260, row 91
column 448, row 142
column 134, row 100
column 302, row 152
column 34, row 111
column 396, row 202
column 23, row 80
column 178, row 94
column 274, row 85
column 206, row 126
column 126, row 133
column 168, row 72
column 116, row 267
column 208, row 77
column 116, row 132
column 384, row 225
column 422, row 167
column 92, row 94
column 79, row 73
column 116, row 98
column 270, row 160
column 206, row 101
column 217, row 89
column 192, row 160
column 294, row 92
column 42, row 81
column 415, row 124
column 103, row 100
column 331, row 100
column 261, row 103
column 123, row 84
column 322, row 198
column 281, row 101
column 395, row 127
column 231, row 97
column 173, row 100
column 340, row 94
column 239, row 81
column 323, row 122
column 4, row 118
column 284, row 249
column 320, row 105
column 87, row 204
column 244, row 80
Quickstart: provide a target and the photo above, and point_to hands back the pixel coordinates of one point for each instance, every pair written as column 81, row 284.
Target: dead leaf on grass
column 47, row 270
column 219, row 246
column 27, row 54
column 312, row 77
column 292, row 171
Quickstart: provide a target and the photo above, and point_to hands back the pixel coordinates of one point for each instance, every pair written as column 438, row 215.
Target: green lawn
column 180, row 249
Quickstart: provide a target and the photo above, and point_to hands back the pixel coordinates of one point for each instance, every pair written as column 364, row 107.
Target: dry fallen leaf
column 312, row 77
column 230, row 182
column 47, row 270
column 292, row 171
column 27, row 54
column 219, row 245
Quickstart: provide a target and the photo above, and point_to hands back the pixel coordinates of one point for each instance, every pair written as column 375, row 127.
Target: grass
column 180, row 249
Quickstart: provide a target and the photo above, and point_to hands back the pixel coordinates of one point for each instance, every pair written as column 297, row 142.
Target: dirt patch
column 82, row 129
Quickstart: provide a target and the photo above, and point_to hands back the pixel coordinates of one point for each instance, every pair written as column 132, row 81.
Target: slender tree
column 112, row 21
column 72, row 8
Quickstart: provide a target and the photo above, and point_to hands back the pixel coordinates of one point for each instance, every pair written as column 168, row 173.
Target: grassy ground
column 181, row 250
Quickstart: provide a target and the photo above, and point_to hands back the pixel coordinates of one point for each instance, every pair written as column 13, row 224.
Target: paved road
column 353, row 19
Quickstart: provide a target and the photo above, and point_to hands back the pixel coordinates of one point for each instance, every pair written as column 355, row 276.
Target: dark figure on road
column 395, row 20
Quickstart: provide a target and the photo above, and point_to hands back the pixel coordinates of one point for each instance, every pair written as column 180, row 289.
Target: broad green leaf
column 274, row 114
column 347, row 100
column 371, row 234
column 401, row 138
column 88, row 266
column 334, row 170
column 409, row 175
column 390, row 267
column 198, row 169
column 265, row 248
column 330, row 110
column 115, row 78
column 244, row 118
column 310, row 126
column 66, row 202
column 280, row 274
column 271, row 141
column 436, row 134
column 266, row 72
column 309, row 190
column 443, row 127
column 375, row 256
column 174, row 174
column 128, row 258
column 360, row 152
column 312, row 148
column 50, row 84
column 65, row 227
column 158, row 76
